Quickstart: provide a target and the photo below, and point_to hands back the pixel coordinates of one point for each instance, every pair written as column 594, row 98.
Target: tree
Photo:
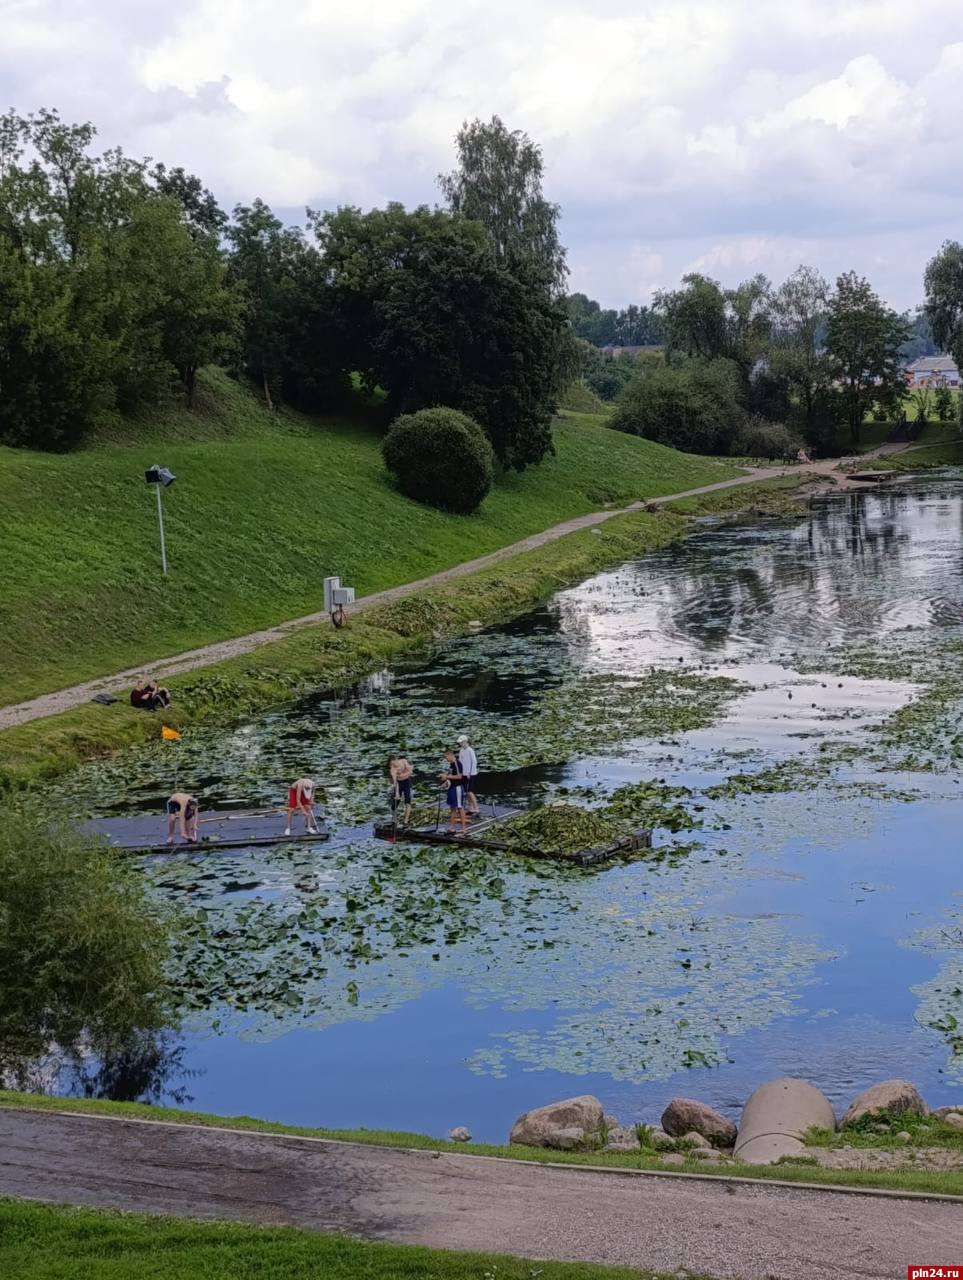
column 943, row 282
column 290, row 345
column 923, row 403
column 82, row 949
column 705, row 321
column 694, row 406
column 590, row 322
column 440, row 457
column 944, row 403
column 797, row 356
column 429, row 315
column 498, row 182
column 863, row 338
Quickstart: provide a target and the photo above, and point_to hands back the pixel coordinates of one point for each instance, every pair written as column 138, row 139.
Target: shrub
column 440, row 457
column 82, row 949
column 694, row 406
column 762, row 439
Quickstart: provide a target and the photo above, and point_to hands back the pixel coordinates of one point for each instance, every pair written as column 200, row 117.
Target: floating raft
column 147, row 833
column 873, row 477
column 476, row 837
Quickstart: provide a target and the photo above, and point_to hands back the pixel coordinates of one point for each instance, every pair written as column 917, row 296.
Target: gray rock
column 903, row 1136
column 541, row 1127
column 898, row 1097
column 623, row 1138
column 942, row 1112
column 708, row 1153
column 571, row 1139
column 695, row 1139
column 953, row 1119
column 881, row 1128
column 611, row 1122
column 685, row 1115
column 459, row 1134
column 673, row 1157
column 661, row 1140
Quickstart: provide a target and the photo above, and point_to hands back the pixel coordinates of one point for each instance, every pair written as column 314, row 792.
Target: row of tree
column 805, row 356
column 120, row 277
column 633, row 326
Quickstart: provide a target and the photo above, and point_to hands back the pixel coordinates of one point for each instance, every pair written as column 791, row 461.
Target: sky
column 728, row 137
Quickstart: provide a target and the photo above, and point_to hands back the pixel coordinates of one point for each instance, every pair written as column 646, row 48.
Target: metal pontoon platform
column 147, row 833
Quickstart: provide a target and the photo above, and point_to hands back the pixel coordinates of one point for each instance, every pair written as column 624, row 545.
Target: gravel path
column 724, row 1229
column 50, row 704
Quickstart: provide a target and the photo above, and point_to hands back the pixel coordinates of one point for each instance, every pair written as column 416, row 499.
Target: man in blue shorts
column 453, row 780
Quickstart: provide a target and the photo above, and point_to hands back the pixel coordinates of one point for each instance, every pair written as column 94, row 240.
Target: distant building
column 629, row 351
column 933, row 371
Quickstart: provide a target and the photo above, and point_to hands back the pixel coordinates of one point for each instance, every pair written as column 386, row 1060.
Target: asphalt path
column 708, row 1226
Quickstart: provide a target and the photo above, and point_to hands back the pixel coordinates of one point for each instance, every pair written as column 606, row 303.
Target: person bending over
column 301, row 800
column 182, row 810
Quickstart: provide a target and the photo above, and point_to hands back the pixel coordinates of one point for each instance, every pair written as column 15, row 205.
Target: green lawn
column 262, row 510
column 47, row 1242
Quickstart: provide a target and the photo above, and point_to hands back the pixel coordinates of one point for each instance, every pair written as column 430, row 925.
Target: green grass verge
column 49, row 1242
column 946, row 451
column 264, row 507
column 924, row 1131
column 933, row 1181
column 319, row 657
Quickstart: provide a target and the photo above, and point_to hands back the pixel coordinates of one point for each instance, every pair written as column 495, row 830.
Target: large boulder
column 685, row 1115
column 560, row 1125
column 623, row 1138
column 775, row 1118
column 894, row 1097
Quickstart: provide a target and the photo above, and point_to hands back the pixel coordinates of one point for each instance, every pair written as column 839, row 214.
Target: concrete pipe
column 776, row 1116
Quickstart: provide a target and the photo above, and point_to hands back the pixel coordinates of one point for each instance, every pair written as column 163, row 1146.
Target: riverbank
column 318, row 657
column 264, row 507
column 941, row 1182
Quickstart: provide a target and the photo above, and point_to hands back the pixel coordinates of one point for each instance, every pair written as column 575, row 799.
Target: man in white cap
column 469, row 767
column 301, row 800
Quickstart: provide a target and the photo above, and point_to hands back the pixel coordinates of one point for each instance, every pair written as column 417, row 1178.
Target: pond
column 793, row 694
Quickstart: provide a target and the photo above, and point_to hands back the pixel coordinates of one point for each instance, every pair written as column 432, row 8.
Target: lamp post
column 160, row 478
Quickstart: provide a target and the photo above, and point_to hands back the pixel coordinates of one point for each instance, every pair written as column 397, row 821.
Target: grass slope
column 47, row 1242
column 263, row 509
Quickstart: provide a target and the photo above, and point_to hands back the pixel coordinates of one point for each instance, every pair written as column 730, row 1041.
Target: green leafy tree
column 798, row 358
column 704, row 321
column 498, row 182
column 863, row 338
column 82, row 950
column 943, row 401
column 695, row 406
column 589, row 322
column 922, row 400
column 429, row 315
column 943, row 283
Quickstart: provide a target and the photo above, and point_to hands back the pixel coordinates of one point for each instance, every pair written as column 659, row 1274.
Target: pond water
column 793, row 688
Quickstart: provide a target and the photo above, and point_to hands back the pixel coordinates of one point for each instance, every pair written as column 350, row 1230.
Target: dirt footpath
column 724, row 1229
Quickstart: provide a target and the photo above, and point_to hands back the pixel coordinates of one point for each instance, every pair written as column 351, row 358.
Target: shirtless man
column 182, row 810
column 401, row 772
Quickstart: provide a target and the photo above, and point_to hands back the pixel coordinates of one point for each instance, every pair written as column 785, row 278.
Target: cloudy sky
column 729, row 136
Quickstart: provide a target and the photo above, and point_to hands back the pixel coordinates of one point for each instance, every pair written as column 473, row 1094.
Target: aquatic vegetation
column 556, row 828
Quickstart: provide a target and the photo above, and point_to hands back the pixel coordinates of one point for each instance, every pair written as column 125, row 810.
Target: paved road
column 460, row 1202
column 50, row 704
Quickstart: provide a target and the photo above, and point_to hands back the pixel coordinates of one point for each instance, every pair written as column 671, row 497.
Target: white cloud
column 715, row 132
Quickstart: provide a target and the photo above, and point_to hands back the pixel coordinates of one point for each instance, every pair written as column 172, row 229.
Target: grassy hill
column 264, row 507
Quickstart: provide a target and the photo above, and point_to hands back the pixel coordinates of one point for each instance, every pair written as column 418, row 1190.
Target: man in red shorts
column 301, row 800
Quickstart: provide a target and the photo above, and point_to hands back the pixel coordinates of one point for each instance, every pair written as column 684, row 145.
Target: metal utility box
column 342, row 595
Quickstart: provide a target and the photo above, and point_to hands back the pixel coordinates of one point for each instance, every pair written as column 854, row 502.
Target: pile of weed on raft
column 557, row 828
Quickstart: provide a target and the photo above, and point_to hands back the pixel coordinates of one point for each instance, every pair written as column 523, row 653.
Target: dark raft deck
column 147, row 833
column 477, row 837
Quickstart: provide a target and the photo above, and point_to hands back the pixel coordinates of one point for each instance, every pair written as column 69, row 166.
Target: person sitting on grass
column 401, row 772
column 301, row 800
column 453, row 781
column 182, row 810
column 148, row 696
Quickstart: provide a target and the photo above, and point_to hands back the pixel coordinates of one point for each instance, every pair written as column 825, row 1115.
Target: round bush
column 440, row 457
